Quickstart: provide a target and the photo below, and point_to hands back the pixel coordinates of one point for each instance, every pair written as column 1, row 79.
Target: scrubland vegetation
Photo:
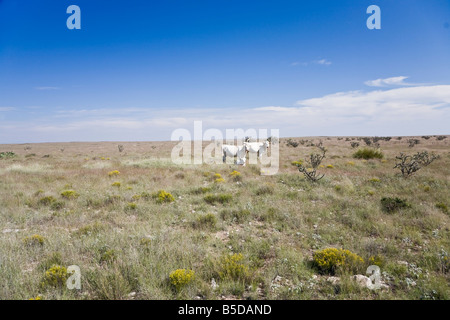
column 141, row 227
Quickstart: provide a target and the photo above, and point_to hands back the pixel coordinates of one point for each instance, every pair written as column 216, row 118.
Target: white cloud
column 324, row 62
column 387, row 82
column 4, row 109
column 400, row 111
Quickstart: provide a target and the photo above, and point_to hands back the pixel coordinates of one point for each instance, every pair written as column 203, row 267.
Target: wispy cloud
column 396, row 111
column 322, row 62
column 388, row 82
column 47, row 88
column 4, row 109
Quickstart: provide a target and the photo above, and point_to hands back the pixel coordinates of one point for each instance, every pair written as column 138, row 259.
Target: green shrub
column 46, row 201
column 331, row 260
column 107, row 255
column 89, row 229
column 7, row 155
column 233, row 267
column 163, row 196
column 205, row 221
column 145, row 242
column 368, row 153
column 131, row 206
column 377, row 260
column 56, row 276
column 57, row 205
column 181, row 278
column 112, row 199
column 442, row 206
column 201, row 190
column 218, row 198
column 34, row 240
column 393, row 204
column 266, row 189
column 236, row 175
column 113, row 173
column 69, row 194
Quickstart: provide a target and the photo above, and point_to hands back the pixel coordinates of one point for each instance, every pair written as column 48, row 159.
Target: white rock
column 213, row 284
column 334, row 280
column 362, row 281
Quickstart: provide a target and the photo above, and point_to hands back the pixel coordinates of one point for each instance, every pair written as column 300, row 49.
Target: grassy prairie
column 87, row 204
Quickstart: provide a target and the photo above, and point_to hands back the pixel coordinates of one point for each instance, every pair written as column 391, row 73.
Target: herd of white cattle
column 240, row 152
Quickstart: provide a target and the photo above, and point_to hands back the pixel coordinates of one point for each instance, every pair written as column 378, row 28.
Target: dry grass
column 127, row 243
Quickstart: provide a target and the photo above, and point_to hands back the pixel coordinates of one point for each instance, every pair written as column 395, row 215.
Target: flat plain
column 141, row 227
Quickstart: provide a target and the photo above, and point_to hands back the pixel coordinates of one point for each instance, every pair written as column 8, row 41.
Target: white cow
column 234, row 151
column 257, row 147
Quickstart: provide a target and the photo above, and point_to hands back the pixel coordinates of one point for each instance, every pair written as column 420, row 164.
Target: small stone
column 334, row 280
column 213, row 284
column 362, row 281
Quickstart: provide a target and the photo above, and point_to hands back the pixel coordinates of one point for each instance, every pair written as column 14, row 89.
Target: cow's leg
column 224, row 157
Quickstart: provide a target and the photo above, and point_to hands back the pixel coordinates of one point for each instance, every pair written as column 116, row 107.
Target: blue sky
column 137, row 70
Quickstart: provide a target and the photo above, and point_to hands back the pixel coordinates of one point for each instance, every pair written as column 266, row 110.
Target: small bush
column 331, row 260
column 56, row 276
column 180, row 278
column 393, row 204
column 368, row 153
column 205, row 221
column 131, row 206
column 164, row 197
column 70, row 194
column 314, row 162
column 442, row 206
column 116, row 184
column 112, row 199
column 266, row 189
column 330, row 166
column 412, row 142
column 377, row 260
column 107, row 255
column 233, row 267
column 7, row 155
column 57, row 205
column 145, row 242
column 292, row 143
column 113, row 173
column 34, row 240
column 218, row 198
column 440, row 138
column 89, row 229
column 236, row 175
column 201, row 190
column 46, row 201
